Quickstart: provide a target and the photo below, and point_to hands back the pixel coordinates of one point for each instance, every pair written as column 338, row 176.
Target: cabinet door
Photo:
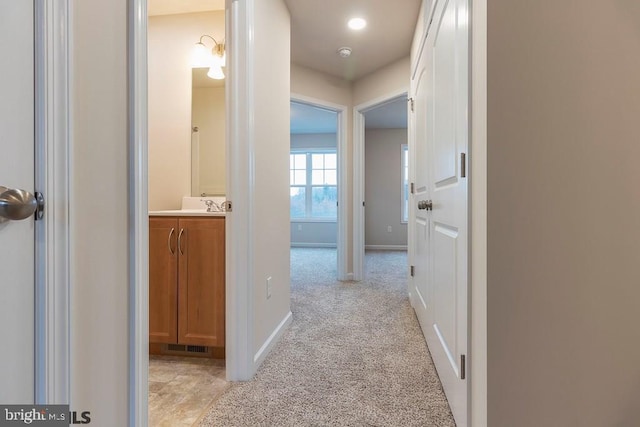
column 163, row 280
column 201, row 285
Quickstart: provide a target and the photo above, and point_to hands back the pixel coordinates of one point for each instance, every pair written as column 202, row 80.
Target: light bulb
column 216, row 73
column 201, row 56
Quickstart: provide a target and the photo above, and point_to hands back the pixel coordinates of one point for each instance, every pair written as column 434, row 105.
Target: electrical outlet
column 268, row 287
column 388, row 229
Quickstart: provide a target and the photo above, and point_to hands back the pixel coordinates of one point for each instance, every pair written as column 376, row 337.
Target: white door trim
column 358, row 176
column 478, row 216
column 239, row 37
column 343, row 164
column 138, row 216
column 52, row 166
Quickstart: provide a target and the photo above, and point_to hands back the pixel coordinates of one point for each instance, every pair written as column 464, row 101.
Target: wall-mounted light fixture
column 213, row 59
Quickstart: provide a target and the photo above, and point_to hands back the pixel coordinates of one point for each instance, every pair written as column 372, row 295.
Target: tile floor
column 182, row 388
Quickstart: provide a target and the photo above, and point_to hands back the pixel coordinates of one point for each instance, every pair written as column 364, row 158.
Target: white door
column 440, row 201
column 16, row 172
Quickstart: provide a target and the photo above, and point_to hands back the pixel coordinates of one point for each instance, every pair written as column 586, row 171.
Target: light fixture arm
column 214, row 40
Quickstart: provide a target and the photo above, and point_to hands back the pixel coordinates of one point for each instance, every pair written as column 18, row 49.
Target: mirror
column 208, row 161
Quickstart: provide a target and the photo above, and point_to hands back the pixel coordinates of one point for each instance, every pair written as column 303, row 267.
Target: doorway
column 317, row 177
column 187, row 195
column 387, row 112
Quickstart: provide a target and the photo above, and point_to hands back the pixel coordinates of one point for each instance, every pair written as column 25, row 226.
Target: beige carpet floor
column 353, row 356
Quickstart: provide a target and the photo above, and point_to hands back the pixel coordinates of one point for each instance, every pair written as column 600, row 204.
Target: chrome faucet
column 212, row 206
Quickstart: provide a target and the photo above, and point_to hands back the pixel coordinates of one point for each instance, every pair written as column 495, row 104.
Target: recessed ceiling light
column 357, row 23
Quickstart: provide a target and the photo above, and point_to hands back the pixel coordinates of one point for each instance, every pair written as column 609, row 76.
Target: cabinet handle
column 169, row 241
column 180, row 241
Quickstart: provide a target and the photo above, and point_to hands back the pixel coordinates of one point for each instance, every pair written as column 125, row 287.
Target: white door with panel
column 440, row 121
column 17, row 237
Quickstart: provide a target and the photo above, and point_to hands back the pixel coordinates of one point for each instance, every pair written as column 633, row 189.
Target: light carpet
column 353, row 356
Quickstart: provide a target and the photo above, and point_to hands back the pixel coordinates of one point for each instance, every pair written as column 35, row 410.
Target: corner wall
column 563, row 214
column 271, row 110
column 99, row 243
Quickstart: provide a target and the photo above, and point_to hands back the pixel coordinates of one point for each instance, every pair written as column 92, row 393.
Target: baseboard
column 386, row 247
column 272, row 340
column 313, row 245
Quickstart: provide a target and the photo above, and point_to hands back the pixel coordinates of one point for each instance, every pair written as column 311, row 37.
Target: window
column 314, row 184
column 404, row 159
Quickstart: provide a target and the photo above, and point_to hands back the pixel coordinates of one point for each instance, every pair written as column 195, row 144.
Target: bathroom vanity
column 187, row 279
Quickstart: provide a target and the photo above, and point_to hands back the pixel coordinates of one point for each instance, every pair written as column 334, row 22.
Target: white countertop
column 187, row 212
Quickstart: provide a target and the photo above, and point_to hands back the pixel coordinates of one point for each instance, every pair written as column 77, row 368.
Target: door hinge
column 412, row 104
column 413, row 188
column 463, row 165
column 228, row 207
column 412, row 271
column 463, row 367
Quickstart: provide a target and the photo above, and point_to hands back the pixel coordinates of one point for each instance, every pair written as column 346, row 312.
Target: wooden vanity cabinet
column 187, row 280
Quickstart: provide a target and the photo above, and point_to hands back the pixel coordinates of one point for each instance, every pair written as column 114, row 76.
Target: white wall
column 387, row 80
column 315, row 84
column 171, row 39
column 99, row 205
column 208, row 115
column 271, row 167
column 383, row 191
column 563, row 214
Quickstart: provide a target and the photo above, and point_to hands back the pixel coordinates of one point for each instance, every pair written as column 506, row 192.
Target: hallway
column 354, row 355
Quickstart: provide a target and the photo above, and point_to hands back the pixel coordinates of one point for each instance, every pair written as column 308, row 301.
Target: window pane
column 331, row 177
column 291, row 180
column 300, row 177
column 291, row 164
column 317, row 161
column 300, row 161
column 330, row 161
column 323, row 202
column 317, row 177
column 298, row 203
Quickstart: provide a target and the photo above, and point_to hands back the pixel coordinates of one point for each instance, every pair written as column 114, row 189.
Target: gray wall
column 306, row 233
column 270, row 109
column 99, row 237
column 563, row 213
column 383, row 193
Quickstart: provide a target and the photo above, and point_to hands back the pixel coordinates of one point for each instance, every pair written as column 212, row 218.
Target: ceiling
column 319, row 29
column 308, row 119
column 390, row 115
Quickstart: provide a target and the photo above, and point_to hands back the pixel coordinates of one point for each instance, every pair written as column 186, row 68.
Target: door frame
column 241, row 301
column 477, row 205
column 240, row 189
column 53, row 112
column 343, row 201
column 138, row 377
column 358, row 175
